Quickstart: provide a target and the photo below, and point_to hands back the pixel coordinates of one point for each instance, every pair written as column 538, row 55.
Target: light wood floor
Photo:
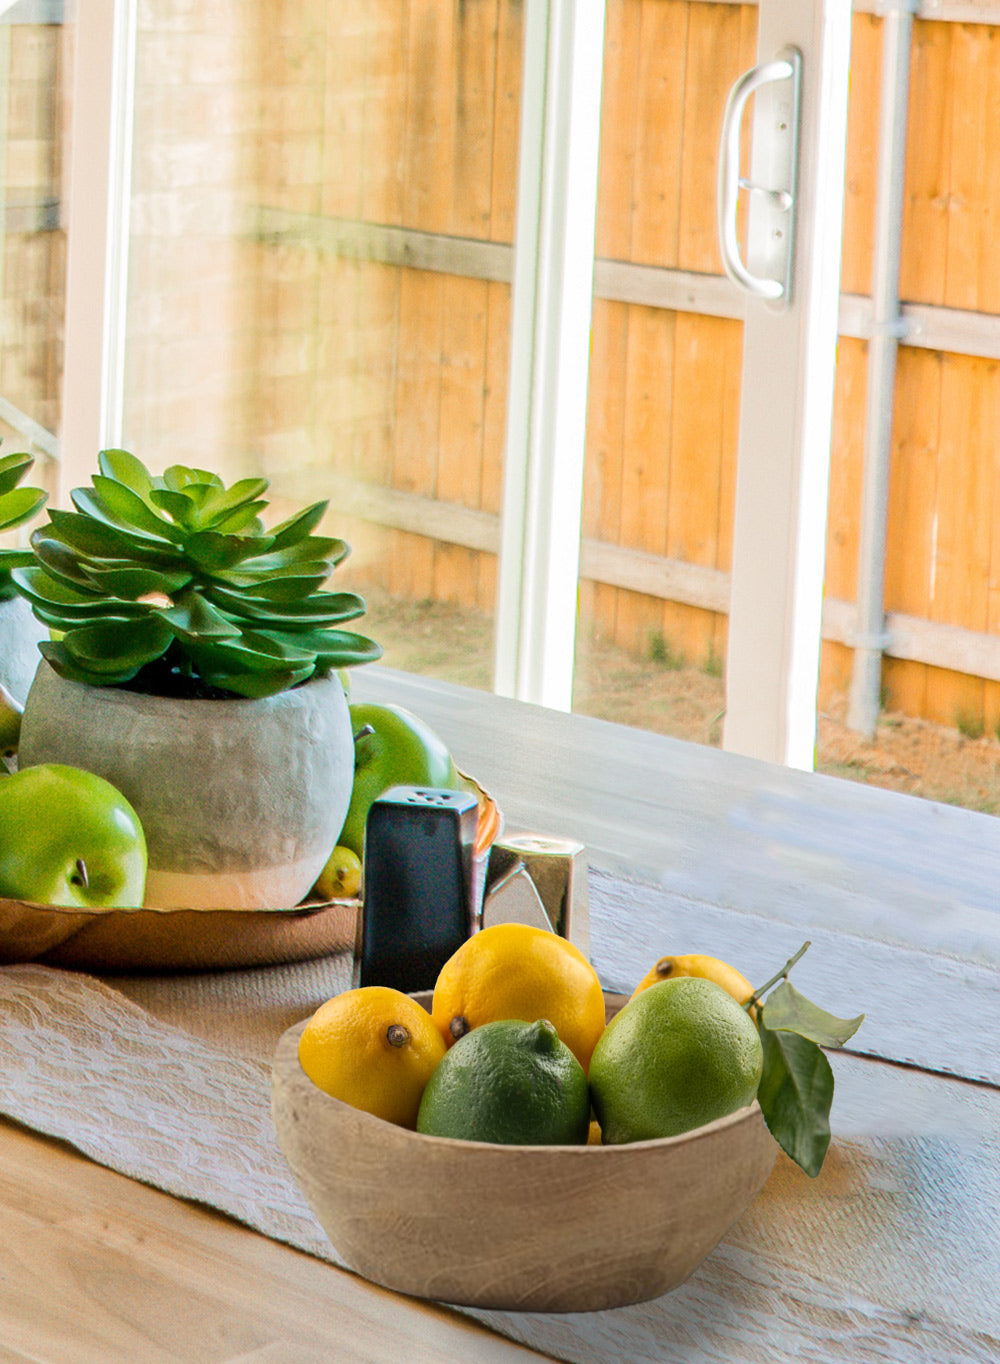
column 98, row 1269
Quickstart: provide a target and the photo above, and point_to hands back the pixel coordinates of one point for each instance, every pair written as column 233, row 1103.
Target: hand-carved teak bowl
column 523, row 1228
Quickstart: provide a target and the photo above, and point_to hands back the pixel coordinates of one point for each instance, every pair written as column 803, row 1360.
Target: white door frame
column 789, row 355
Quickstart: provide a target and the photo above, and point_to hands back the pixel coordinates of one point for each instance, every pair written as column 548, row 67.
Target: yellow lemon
column 340, row 879
column 373, row 1048
column 514, row 971
column 705, row 968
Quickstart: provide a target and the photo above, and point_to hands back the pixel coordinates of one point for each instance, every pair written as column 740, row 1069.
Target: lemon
column 515, row 971
column 680, row 1054
column 340, row 879
column 696, row 964
column 373, row 1048
column 509, row 1082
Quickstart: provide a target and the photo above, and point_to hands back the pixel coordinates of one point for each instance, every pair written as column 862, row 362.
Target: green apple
column 10, row 722
column 392, row 747
column 68, row 837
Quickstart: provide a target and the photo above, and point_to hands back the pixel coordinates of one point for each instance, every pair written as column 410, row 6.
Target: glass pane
column 321, row 218
column 664, row 386
column 34, row 65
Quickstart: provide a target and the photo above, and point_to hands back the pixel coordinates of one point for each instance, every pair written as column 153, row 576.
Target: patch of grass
column 660, row 650
column 713, row 665
column 969, row 724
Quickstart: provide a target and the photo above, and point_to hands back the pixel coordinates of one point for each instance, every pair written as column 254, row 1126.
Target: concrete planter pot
column 241, row 801
column 19, row 656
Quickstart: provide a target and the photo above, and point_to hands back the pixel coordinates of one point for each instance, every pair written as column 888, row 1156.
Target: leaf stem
column 758, row 994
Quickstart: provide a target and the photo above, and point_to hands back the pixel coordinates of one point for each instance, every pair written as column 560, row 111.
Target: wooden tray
column 144, row 939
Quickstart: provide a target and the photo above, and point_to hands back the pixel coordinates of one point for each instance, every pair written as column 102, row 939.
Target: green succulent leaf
column 795, row 1095
column 13, row 468
column 59, row 600
column 61, row 562
column 257, row 685
column 131, row 581
column 244, row 518
column 290, row 584
column 194, row 619
column 180, row 507
column 789, row 1011
column 249, row 651
column 20, row 505
column 66, row 666
column 132, row 511
column 224, row 502
column 116, row 646
column 90, row 503
column 216, row 552
column 300, row 525
column 313, row 549
column 348, row 650
column 180, row 476
column 95, row 538
column 320, row 609
column 124, row 468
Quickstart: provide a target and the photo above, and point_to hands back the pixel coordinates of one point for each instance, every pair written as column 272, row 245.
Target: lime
column 510, row 1082
column 680, row 1054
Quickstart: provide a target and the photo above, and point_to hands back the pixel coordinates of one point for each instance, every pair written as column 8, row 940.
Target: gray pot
column 19, row 656
column 241, row 801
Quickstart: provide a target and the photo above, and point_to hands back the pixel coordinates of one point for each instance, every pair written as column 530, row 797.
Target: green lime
column 508, row 1082
column 678, row 1055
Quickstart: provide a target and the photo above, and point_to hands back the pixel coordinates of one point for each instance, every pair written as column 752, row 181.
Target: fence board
column 657, row 165
column 602, row 492
column 967, row 224
column 506, row 119
column 912, row 511
column 383, row 76
column 716, row 55
column 846, row 468
column 963, row 523
column 646, row 458
column 862, row 150
column 696, row 458
column 618, row 124
column 460, row 433
column 925, row 212
column 430, row 117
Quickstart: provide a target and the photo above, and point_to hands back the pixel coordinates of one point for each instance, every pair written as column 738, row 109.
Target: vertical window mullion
column 97, row 203
column 550, row 351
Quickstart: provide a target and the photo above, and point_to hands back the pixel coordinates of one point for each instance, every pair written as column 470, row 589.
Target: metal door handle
column 776, row 198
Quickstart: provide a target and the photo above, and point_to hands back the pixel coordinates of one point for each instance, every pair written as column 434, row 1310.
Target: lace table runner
column 167, row 1080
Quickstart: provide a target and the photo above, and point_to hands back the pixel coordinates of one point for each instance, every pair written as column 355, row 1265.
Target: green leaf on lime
column 786, row 1010
column 795, row 1095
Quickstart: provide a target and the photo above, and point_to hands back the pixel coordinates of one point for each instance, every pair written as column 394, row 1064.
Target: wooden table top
column 892, row 1253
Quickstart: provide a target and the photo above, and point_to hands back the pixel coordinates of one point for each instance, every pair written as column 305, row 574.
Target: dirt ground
column 909, row 755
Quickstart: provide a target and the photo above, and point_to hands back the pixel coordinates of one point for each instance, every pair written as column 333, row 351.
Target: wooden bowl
column 523, row 1228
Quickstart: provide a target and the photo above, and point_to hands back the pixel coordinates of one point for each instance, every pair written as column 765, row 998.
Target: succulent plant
column 17, row 505
column 171, row 584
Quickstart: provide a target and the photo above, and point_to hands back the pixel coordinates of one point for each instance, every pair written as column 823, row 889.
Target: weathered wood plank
column 859, row 869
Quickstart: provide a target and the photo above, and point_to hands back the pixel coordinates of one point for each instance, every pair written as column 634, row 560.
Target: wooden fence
column 412, row 394
column 344, row 321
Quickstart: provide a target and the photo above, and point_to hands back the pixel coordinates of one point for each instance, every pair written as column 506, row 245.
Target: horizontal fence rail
column 909, row 638
column 927, row 326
